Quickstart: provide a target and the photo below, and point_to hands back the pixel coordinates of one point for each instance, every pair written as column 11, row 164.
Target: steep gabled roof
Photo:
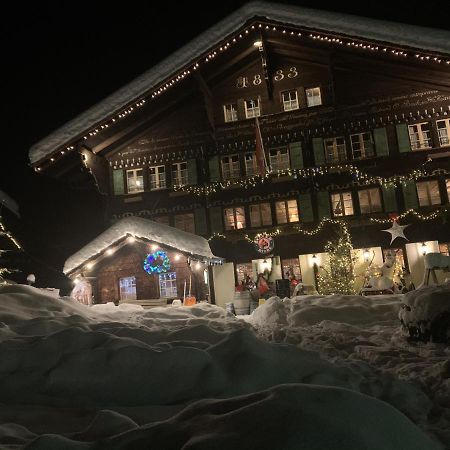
column 147, row 230
column 426, row 39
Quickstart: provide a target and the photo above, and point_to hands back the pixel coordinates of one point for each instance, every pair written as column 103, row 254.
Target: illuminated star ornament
column 396, row 231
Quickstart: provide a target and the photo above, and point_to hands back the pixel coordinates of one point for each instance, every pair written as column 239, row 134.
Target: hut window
column 428, row 193
column 369, row 200
column 443, row 128
column 286, row 211
column 168, row 285
column 290, row 100
column 179, row 174
column 251, row 166
column 279, row 159
column 135, row 181
column 127, row 288
column 420, row 135
column 313, row 96
column 230, row 112
column 444, row 248
column 234, row 218
column 260, row 215
column 252, row 108
column 157, row 177
column 230, row 167
column 185, row 222
column 362, row 145
column 342, row 204
column 335, row 149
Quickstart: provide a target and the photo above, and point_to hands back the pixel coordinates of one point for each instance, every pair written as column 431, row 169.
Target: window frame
column 163, row 280
column 286, row 211
column 365, row 151
column 232, row 173
column 261, row 220
column 254, row 109
column 290, row 102
column 338, row 149
column 308, row 97
column 428, row 184
column 183, row 217
column 235, row 218
column 370, row 200
column 159, row 185
column 447, row 129
column 135, row 191
column 234, row 112
column 178, row 173
column 123, row 288
column 341, row 194
column 420, row 142
column 279, row 159
column 254, row 165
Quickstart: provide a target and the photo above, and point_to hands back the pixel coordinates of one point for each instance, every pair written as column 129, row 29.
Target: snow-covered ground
column 309, row 373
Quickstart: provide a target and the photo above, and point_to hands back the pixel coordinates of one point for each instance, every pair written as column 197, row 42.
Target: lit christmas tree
column 336, row 276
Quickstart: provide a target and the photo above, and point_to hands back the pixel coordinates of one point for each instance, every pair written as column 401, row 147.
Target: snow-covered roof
column 427, row 39
column 159, row 233
column 8, row 202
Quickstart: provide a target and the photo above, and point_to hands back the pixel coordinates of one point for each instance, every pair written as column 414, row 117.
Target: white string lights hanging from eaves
column 223, row 47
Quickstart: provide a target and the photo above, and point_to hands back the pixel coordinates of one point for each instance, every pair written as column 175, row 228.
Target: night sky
column 59, row 59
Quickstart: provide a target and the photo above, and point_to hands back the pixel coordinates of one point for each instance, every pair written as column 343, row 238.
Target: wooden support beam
column 265, row 67
column 208, row 98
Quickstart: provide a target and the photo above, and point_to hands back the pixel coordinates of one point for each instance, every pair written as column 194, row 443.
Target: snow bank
column 107, row 377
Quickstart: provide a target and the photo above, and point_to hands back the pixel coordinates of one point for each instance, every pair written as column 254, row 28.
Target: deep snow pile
column 110, row 377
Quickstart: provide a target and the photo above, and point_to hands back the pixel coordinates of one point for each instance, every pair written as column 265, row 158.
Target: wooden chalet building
column 354, row 116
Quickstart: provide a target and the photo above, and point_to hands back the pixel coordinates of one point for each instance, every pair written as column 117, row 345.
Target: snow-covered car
column 425, row 313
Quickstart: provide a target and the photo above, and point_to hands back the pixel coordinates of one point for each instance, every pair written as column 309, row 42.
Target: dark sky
column 61, row 58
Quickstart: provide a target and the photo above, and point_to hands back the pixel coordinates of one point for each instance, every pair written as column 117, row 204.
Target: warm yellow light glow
column 131, row 239
column 154, row 247
column 198, row 266
column 424, row 248
column 177, row 257
column 110, row 251
column 76, row 281
column 258, row 44
column 366, row 255
column 89, row 265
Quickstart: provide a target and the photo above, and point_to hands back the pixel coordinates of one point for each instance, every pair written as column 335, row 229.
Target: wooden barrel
column 241, row 302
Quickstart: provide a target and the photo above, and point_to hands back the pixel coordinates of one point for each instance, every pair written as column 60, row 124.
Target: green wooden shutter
column 381, row 142
column 404, row 144
column 306, row 210
column 319, row 154
column 410, row 195
column 215, row 217
column 323, row 204
column 389, row 198
column 214, row 171
column 118, row 182
column 295, row 150
column 200, row 221
column 192, row 171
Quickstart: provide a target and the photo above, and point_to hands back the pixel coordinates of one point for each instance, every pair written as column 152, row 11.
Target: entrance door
column 127, row 288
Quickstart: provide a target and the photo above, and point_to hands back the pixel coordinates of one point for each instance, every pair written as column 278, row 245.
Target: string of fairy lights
column 424, row 217
column 250, row 31
column 4, row 232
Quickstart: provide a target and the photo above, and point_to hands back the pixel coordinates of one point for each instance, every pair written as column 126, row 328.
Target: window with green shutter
column 389, row 198
column 319, row 154
column 410, row 195
column 323, row 204
column 381, row 141
column 192, row 171
column 214, row 170
column 306, row 209
column 295, row 150
column 215, row 217
column 118, row 182
column 200, row 221
column 404, row 144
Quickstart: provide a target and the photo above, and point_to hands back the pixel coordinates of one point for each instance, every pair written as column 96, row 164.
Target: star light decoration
column 397, row 231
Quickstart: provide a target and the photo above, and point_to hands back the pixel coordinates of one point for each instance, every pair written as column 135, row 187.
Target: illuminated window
column 342, row 204
column 127, row 289
column 260, row 215
column 179, row 174
column 290, row 100
column 243, row 270
column 335, row 149
column 185, row 222
column 252, row 108
column 399, row 256
column 230, row 167
column 279, row 159
column 234, row 218
column 313, row 96
column 444, row 248
column 168, row 285
column 286, row 211
column 230, row 112
column 447, row 184
column 420, row 135
column 135, row 181
column 157, row 177
column 428, row 193
column 251, row 165
column 443, row 129
column 291, row 268
column 370, row 200
column 362, row 145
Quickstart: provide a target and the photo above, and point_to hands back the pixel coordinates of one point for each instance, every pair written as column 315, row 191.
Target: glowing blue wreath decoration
column 157, row 262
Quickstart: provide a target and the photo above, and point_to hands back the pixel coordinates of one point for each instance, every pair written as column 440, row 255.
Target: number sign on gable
column 280, row 74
